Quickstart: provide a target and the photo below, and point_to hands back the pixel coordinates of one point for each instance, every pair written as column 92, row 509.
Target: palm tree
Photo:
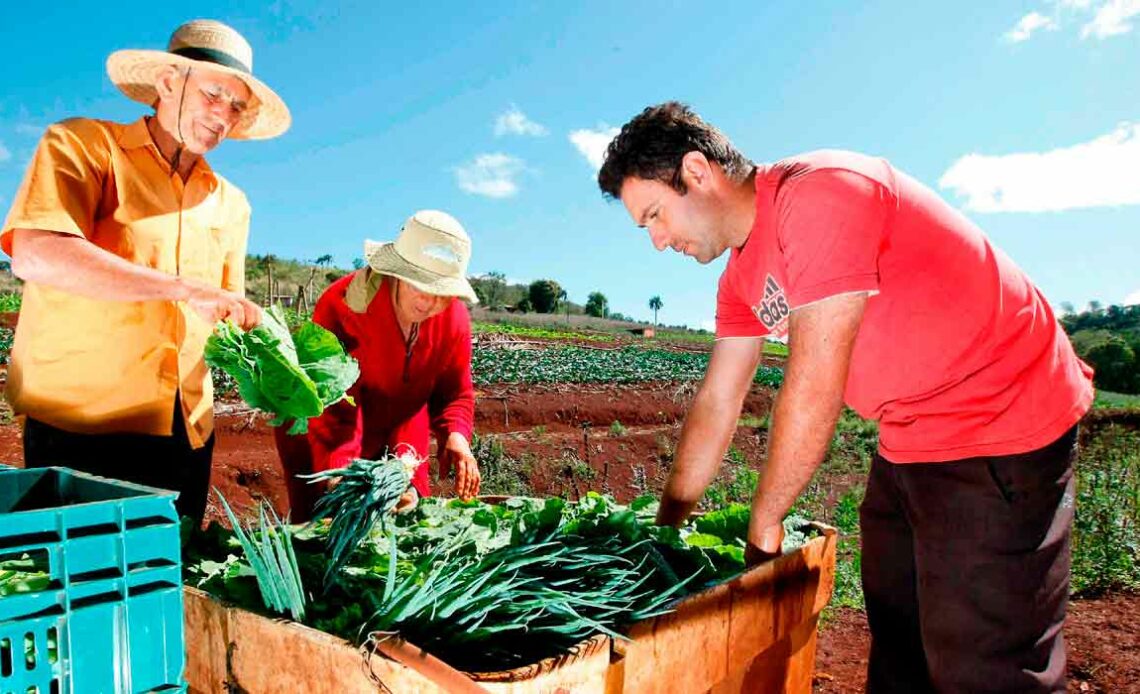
column 562, row 296
column 322, row 261
column 655, row 303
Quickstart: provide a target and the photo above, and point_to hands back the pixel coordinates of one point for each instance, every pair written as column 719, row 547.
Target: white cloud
column 592, row 143
column 1099, row 173
column 490, row 175
column 1027, row 25
column 1112, row 19
column 515, row 122
column 5, row 153
column 1132, row 299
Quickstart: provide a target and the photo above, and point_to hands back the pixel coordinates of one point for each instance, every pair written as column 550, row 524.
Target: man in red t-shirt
column 896, row 304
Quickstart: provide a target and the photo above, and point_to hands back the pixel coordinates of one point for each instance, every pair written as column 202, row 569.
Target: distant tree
column 495, row 285
column 597, row 305
column 618, row 316
column 358, row 263
column 656, row 304
column 544, row 295
column 1114, row 361
column 1067, row 307
column 524, row 305
column 323, row 260
column 1094, row 306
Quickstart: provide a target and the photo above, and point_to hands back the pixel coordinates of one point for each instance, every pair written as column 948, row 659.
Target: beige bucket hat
column 431, row 253
column 203, row 43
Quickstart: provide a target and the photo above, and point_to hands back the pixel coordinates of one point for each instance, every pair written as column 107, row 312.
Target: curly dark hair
column 652, row 145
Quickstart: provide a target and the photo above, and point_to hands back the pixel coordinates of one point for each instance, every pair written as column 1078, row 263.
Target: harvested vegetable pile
column 493, row 586
column 294, row 377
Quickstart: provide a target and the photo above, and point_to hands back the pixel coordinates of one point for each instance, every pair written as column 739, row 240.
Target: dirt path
column 1103, row 638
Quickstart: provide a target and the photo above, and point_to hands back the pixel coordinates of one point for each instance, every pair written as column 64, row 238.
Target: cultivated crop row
column 500, row 364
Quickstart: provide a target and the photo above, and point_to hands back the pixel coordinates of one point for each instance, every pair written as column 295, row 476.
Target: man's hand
column 456, row 454
column 214, row 304
column 408, row 501
column 763, row 544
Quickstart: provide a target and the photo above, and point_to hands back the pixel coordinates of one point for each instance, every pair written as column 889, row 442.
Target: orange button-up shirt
column 94, row 366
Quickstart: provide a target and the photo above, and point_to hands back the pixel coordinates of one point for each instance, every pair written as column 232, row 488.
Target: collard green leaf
column 293, row 378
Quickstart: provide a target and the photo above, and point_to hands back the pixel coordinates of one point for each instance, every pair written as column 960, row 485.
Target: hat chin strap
column 174, row 160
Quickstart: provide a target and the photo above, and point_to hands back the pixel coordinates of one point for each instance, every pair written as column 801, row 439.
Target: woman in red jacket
column 401, row 318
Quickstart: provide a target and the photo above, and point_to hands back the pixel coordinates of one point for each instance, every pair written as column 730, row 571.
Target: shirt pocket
column 216, row 246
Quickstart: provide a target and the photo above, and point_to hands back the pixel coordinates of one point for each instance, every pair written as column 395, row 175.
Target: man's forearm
column 76, row 265
column 799, row 438
column 822, row 337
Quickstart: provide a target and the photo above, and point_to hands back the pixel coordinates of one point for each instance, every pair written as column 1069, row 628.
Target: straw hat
column 431, row 254
column 203, row 43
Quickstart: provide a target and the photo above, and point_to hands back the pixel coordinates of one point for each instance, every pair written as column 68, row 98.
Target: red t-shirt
column 958, row 355
column 399, row 400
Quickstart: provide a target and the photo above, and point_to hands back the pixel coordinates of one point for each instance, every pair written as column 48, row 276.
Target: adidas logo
column 772, row 311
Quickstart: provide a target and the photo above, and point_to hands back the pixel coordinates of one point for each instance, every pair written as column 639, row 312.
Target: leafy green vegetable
column 490, row 586
column 293, row 377
column 23, row 575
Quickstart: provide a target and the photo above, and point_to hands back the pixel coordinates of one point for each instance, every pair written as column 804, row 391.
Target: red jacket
column 401, row 395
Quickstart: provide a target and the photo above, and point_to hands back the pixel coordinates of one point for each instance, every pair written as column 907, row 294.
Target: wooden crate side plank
column 683, row 650
column 206, row 636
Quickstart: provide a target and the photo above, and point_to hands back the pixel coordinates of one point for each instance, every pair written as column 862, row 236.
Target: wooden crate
column 233, row 650
column 755, row 633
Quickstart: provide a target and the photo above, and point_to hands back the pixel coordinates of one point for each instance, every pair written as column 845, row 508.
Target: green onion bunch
column 521, row 603
column 361, row 496
column 268, row 547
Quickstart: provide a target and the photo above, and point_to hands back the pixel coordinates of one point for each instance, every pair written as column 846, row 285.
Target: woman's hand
column 408, row 501
column 456, row 454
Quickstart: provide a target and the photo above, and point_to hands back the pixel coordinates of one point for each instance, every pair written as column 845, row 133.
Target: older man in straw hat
column 132, row 248
column 402, row 319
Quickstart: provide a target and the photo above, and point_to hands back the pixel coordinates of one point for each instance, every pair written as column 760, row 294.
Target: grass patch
column 1106, row 398
column 848, row 560
column 617, row 429
column 1106, row 531
column 502, row 474
column 855, row 442
column 10, row 302
column 775, row 349
column 753, row 422
column 735, row 484
column 537, row 332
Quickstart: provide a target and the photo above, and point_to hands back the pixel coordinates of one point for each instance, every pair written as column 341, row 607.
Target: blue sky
column 1023, row 114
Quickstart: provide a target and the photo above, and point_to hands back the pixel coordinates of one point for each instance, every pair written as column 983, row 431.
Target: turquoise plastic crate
column 109, row 616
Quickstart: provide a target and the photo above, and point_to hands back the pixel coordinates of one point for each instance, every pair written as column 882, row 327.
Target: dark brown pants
column 165, row 462
column 966, row 572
